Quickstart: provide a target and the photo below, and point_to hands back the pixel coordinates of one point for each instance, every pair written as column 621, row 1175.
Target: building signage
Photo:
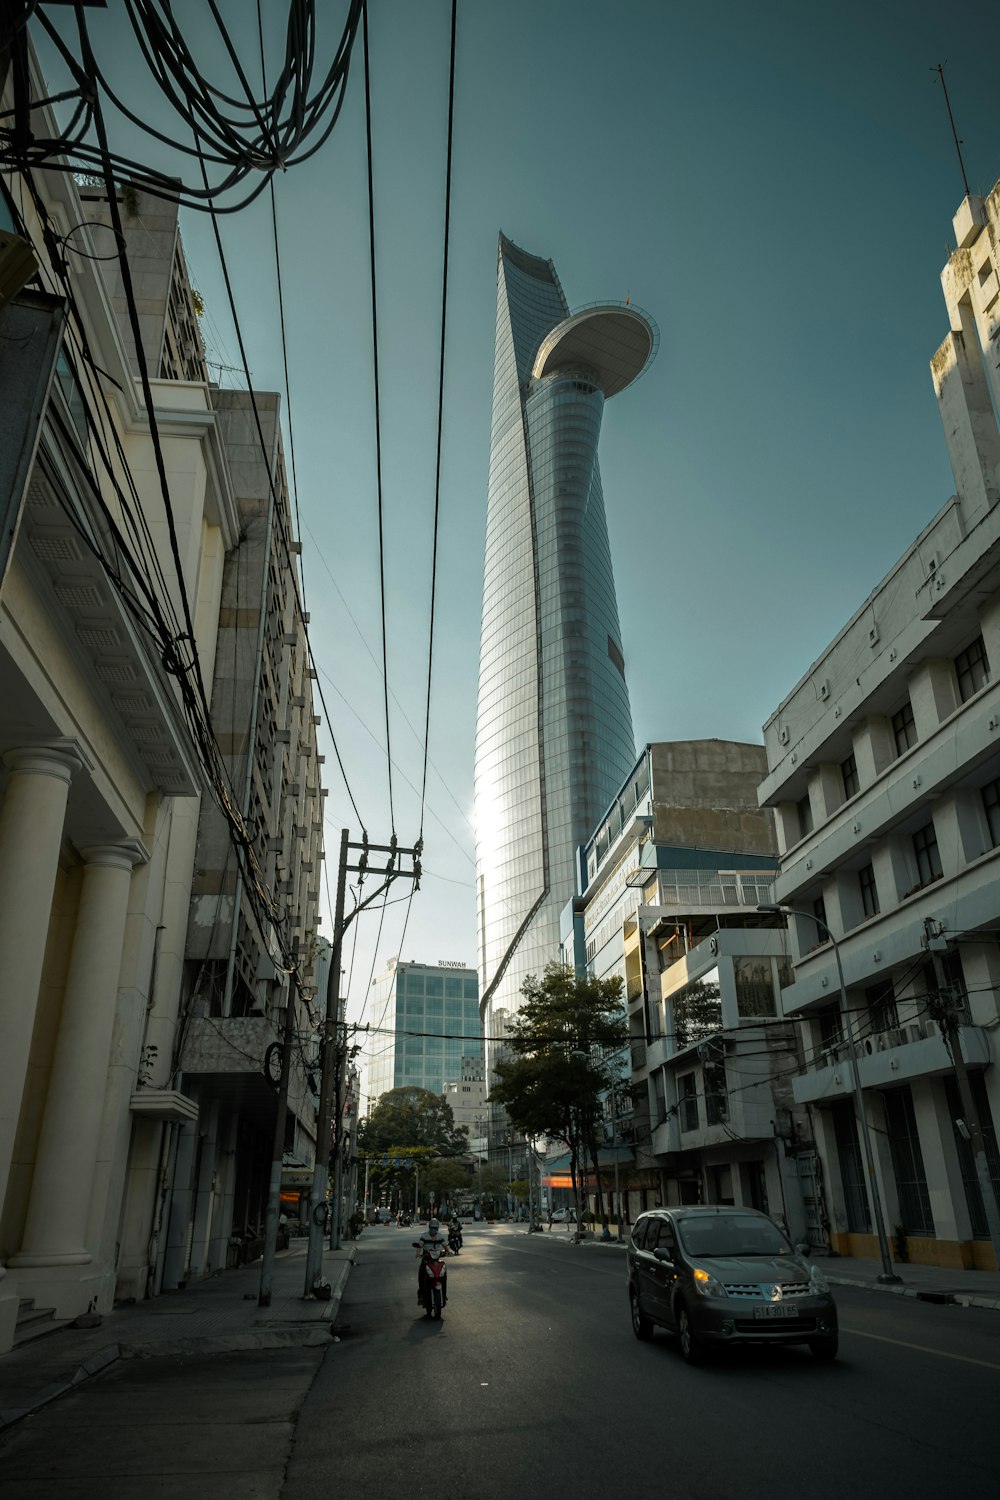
column 450, row 963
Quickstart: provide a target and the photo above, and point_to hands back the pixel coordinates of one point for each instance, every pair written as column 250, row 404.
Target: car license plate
column 775, row 1310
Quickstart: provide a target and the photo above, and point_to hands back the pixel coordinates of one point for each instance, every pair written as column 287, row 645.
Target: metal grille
column 756, row 1289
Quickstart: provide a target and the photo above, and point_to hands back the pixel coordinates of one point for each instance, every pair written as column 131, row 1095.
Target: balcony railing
column 713, row 888
column 832, row 1053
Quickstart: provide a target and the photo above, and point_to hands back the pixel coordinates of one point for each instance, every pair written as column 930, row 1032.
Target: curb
column 318, row 1331
column 93, row 1366
column 920, row 1294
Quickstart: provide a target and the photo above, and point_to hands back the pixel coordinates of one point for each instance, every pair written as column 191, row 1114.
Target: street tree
column 412, row 1117
column 561, row 1039
column 444, row 1177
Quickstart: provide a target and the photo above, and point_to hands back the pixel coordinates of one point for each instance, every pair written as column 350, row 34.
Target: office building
column 427, row 1020
column 554, row 734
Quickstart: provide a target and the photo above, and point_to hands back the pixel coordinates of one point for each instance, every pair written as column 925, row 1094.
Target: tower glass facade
column 554, row 734
column 428, row 1018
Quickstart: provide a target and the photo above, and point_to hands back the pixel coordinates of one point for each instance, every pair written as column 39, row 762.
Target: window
column 869, row 891
column 689, row 1101
column 819, row 912
column 925, row 848
column 713, row 1071
column 907, row 1162
column 754, row 986
column 639, row 1232
column 660, row 1236
column 972, row 669
column 852, row 1173
column 849, row 772
column 805, row 816
column 991, row 807
column 882, row 1013
column 904, row 730
column 697, row 1009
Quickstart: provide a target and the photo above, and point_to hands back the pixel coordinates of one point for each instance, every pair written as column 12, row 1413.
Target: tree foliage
column 561, row 1040
column 412, row 1117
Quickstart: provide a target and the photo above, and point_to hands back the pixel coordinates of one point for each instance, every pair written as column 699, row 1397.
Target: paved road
column 532, row 1382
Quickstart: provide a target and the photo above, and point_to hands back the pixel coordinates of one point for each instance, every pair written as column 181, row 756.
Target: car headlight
column 817, row 1281
column 706, row 1284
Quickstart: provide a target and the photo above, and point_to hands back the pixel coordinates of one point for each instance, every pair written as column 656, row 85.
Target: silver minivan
column 725, row 1275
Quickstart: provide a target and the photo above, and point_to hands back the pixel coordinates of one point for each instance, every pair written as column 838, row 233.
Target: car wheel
column 641, row 1326
column 692, row 1348
column 823, row 1349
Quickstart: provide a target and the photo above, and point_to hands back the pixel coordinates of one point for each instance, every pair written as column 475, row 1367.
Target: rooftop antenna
column 939, row 70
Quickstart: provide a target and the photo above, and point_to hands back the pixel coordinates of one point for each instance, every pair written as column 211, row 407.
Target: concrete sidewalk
column 928, row 1283
column 214, row 1316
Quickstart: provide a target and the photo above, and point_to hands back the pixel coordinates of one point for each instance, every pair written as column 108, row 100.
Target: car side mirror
column 661, row 1253
column 802, row 1249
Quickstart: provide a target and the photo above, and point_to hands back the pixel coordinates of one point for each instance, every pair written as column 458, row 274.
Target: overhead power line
column 240, row 137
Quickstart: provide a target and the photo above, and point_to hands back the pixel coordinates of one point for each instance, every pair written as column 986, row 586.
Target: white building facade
column 884, row 775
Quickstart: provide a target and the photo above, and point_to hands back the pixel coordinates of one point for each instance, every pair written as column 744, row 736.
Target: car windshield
column 730, row 1235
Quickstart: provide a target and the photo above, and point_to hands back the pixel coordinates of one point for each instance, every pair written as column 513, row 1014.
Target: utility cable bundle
column 235, row 135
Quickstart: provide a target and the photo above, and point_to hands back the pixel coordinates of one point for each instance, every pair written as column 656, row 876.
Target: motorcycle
column 433, row 1280
column 454, row 1237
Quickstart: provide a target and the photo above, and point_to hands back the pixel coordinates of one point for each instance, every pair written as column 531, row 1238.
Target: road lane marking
column 966, row 1359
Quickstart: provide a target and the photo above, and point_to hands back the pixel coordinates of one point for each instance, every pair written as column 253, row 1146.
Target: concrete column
column 205, row 1194
column 933, row 695
column 56, row 1226
column 989, row 619
column 827, row 789
column 874, row 748
column 31, row 830
column 175, row 1255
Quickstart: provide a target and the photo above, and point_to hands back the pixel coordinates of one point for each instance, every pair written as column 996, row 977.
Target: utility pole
column 948, row 1010
column 332, row 1050
column 277, row 1155
column 338, row 1136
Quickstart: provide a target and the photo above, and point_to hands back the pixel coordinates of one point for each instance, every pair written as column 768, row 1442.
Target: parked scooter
column 432, row 1282
column 454, row 1236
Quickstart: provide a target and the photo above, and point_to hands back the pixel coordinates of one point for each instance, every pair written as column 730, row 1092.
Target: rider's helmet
column 433, row 1226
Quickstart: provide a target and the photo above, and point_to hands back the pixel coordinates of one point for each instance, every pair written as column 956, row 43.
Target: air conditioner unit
column 828, row 1057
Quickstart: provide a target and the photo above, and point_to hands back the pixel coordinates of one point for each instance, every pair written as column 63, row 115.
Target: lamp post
column 888, row 1274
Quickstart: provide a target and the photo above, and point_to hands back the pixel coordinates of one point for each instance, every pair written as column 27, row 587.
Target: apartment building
column 106, row 1104
column 671, row 880
column 883, row 772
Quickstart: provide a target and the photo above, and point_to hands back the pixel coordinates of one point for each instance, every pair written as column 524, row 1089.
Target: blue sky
column 774, row 183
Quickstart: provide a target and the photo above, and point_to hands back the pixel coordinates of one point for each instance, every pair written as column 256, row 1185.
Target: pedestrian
column 550, row 1218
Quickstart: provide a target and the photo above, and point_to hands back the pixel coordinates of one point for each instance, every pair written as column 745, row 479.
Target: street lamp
column 888, row 1274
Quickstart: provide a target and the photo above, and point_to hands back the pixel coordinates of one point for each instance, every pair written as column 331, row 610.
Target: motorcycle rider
column 431, row 1244
column 454, row 1234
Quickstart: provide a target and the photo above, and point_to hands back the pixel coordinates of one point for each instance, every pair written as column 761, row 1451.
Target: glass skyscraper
column 554, row 738
column 428, row 1021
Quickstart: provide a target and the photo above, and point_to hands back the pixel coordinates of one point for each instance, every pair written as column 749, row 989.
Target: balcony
column 690, row 889
column 886, row 1058
column 224, row 1057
